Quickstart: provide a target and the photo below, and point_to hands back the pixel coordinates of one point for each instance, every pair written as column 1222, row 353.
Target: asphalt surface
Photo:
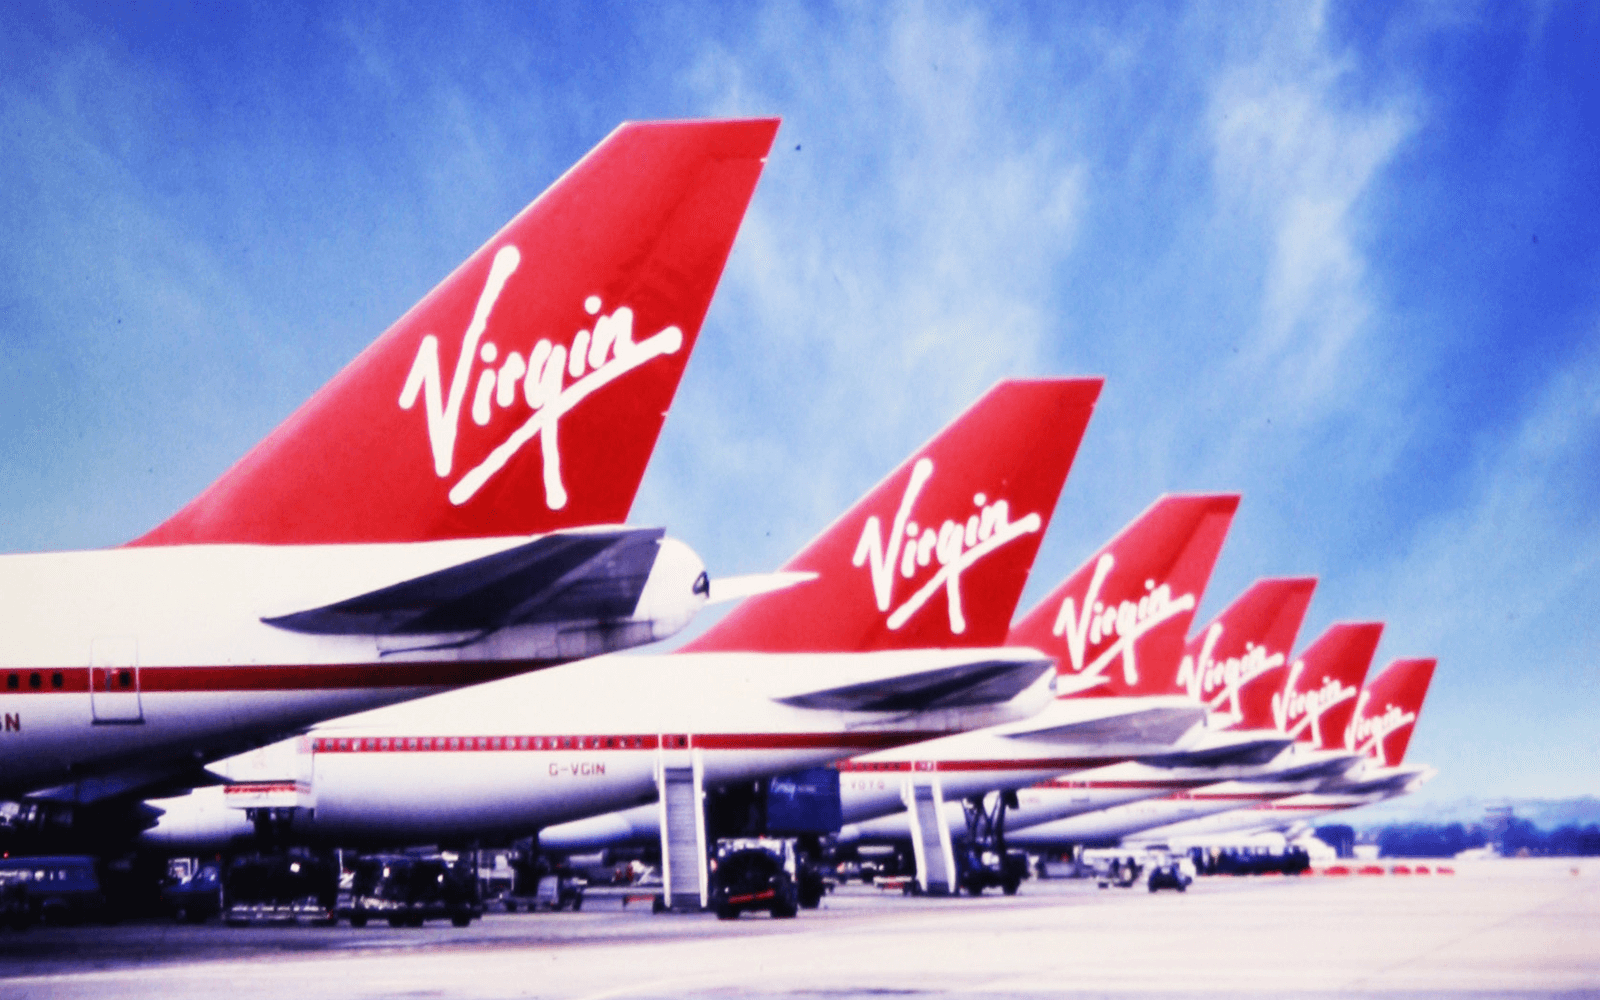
column 1494, row 929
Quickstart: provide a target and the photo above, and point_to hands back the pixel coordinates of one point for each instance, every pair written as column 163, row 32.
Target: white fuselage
column 520, row 754
column 1067, row 734
column 1285, row 812
column 1269, row 814
column 1297, row 770
column 131, row 657
column 1130, row 818
column 1104, row 788
column 1070, row 734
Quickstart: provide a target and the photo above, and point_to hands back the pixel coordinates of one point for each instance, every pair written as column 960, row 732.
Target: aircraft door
column 114, row 681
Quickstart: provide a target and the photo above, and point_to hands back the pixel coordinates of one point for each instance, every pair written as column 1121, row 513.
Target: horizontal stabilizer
column 1392, row 784
column 559, row 577
column 1244, row 754
column 734, row 588
column 1150, row 725
column 1329, row 768
column 985, row 682
column 134, row 780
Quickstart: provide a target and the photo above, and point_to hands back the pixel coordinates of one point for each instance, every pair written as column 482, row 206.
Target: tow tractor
column 1158, row 869
column 754, row 873
column 1116, row 869
column 1169, row 872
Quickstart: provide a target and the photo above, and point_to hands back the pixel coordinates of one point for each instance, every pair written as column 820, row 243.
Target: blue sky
column 1343, row 258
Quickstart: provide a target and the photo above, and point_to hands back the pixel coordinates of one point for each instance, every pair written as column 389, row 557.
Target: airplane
column 1223, row 666
column 1379, row 730
column 1116, row 628
column 1312, row 705
column 897, row 633
column 447, row 510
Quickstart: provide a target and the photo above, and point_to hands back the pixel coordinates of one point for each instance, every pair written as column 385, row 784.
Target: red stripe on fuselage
column 855, row 741
column 1024, row 764
column 277, row 677
column 477, row 744
column 261, row 789
column 1152, row 785
column 843, row 742
column 1221, row 796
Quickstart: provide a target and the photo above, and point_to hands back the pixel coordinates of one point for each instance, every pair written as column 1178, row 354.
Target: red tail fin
column 1317, row 697
column 1387, row 709
column 1248, row 643
column 936, row 555
column 430, row 432
column 1131, row 605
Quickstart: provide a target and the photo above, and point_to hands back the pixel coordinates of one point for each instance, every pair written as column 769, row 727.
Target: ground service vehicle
column 280, row 889
column 197, row 898
column 56, row 889
column 1168, row 872
column 754, row 873
column 408, row 891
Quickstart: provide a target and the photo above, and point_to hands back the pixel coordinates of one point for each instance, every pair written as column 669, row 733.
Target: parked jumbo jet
column 1116, row 630
column 1379, row 730
column 447, row 510
column 897, row 635
column 1246, row 648
column 1312, row 706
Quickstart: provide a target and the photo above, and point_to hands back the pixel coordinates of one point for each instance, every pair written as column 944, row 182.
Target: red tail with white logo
column 1249, row 643
column 525, row 393
column 1387, row 710
column 1117, row 626
column 936, row 555
column 1317, row 696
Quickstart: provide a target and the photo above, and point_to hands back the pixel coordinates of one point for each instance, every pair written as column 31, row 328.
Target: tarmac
column 1494, row 928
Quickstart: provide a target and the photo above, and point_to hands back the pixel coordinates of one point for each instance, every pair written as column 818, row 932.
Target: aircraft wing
column 1331, row 767
column 563, row 576
column 988, row 681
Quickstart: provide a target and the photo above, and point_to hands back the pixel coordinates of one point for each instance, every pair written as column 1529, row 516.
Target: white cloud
column 890, row 269
column 1295, row 154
